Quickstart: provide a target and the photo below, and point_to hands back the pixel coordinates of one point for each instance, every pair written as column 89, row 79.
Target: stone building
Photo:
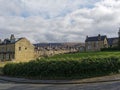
column 49, row 49
column 95, row 43
column 16, row 49
column 113, row 42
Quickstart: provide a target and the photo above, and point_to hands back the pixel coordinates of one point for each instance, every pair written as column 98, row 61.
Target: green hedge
column 111, row 49
column 64, row 68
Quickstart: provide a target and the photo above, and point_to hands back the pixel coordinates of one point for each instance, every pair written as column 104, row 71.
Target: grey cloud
column 73, row 27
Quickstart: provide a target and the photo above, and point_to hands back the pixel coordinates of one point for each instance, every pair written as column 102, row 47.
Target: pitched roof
column 110, row 40
column 47, row 44
column 95, row 38
column 8, row 41
column 58, row 44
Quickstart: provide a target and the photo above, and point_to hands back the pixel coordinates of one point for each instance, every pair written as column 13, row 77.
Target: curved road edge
column 110, row 78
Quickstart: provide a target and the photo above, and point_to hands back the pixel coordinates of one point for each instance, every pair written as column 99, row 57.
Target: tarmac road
column 4, row 85
column 2, row 81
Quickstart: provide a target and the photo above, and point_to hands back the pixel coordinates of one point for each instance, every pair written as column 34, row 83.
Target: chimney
column 12, row 37
column 87, row 37
column 99, row 37
column 0, row 41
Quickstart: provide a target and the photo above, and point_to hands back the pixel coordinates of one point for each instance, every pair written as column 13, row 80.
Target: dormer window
column 99, row 37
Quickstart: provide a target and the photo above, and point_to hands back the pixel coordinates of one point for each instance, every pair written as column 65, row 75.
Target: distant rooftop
column 110, row 40
column 12, row 40
column 47, row 44
column 95, row 38
column 57, row 44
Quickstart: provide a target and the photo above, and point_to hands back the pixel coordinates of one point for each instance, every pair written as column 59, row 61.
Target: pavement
column 109, row 78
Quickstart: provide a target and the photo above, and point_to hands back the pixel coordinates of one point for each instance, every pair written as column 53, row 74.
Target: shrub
column 64, row 68
column 111, row 49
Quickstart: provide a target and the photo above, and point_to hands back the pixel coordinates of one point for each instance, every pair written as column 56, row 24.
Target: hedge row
column 111, row 49
column 64, row 68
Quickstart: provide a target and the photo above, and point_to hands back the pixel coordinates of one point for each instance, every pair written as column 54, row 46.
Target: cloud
column 54, row 8
column 11, row 8
column 59, row 20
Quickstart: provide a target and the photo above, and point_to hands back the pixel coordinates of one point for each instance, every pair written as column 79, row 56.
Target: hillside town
column 21, row 49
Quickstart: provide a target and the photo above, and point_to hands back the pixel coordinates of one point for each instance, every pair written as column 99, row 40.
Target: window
column 105, row 45
column 94, row 44
column 13, row 56
column 25, row 48
column 3, row 49
column 8, row 49
column 97, row 44
column 19, row 48
column 89, row 47
column 89, row 43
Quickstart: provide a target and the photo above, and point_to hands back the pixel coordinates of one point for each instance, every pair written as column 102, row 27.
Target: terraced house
column 18, row 49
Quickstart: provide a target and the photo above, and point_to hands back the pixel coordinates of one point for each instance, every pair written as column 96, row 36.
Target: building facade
column 14, row 49
column 95, row 43
column 20, row 49
column 113, row 42
column 49, row 49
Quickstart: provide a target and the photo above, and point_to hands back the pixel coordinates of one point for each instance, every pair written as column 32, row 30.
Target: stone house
column 95, row 43
column 16, row 49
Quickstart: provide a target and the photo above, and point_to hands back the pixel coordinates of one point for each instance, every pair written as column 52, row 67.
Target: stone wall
column 24, row 50
column 96, row 45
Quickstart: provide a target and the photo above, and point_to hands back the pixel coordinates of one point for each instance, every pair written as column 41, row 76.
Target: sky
column 59, row 20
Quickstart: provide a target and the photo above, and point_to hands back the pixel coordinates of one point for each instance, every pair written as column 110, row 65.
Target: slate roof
column 58, row 44
column 96, row 38
column 47, row 44
column 8, row 41
column 110, row 40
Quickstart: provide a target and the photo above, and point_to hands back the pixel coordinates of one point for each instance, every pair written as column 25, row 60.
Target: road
column 93, row 86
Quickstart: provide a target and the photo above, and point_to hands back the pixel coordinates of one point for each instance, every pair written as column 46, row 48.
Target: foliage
column 85, row 67
column 111, row 49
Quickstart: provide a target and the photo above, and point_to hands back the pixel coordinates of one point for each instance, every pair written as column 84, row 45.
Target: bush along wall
column 111, row 49
column 57, row 69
